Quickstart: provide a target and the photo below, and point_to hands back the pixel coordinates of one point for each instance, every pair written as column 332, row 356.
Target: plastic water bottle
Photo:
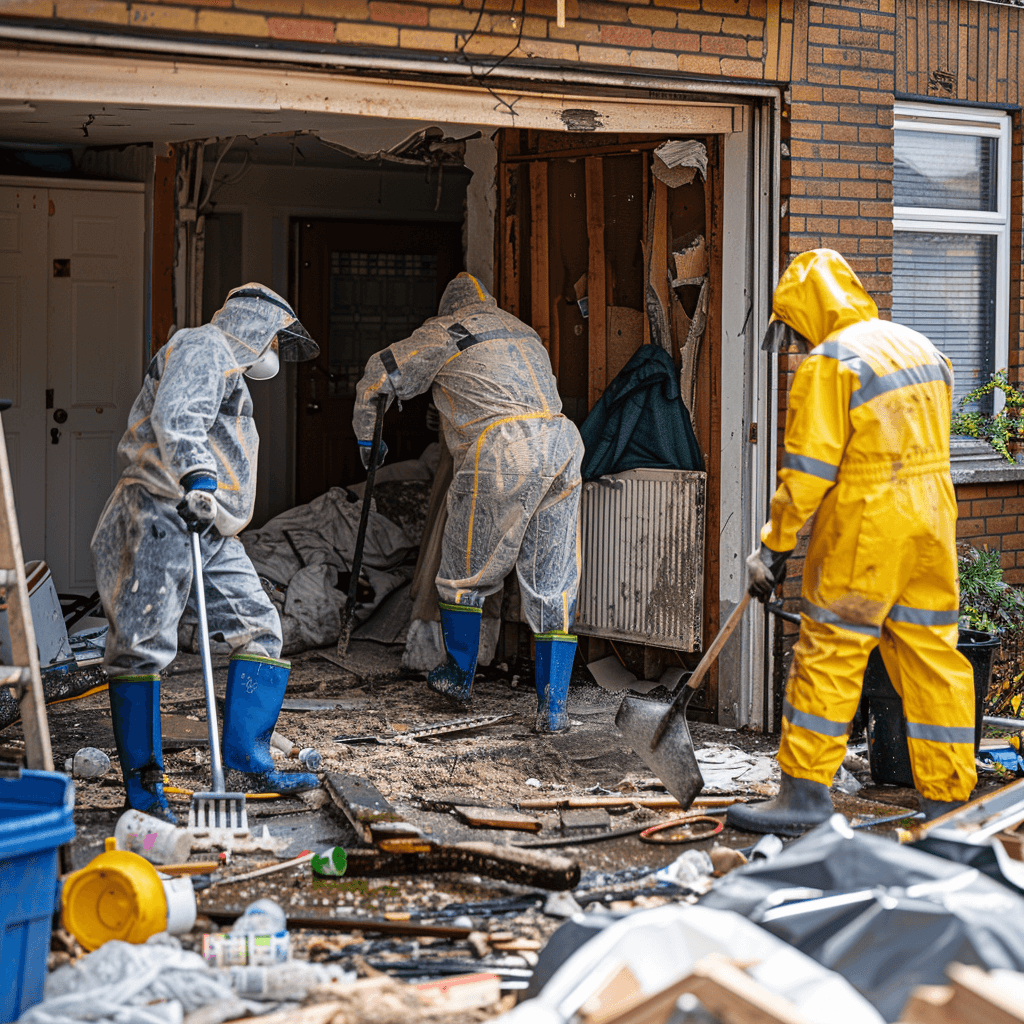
column 310, row 758
column 288, row 981
column 264, row 917
column 88, row 763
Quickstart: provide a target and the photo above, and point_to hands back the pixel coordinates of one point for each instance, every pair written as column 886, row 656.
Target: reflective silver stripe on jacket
column 899, row 379
column 873, row 384
column 814, row 723
column 941, row 733
column 824, row 616
column 923, row 616
column 812, row 467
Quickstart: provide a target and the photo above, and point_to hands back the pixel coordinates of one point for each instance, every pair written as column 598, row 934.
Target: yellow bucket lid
column 117, row 895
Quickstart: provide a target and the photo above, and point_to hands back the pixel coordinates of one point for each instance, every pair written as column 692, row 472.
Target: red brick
column 623, row 35
column 987, row 507
column 723, row 45
column 677, row 41
column 307, row 29
column 398, row 14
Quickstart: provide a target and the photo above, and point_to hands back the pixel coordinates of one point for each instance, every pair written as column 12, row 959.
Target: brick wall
column 736, row 38
column 991, row 516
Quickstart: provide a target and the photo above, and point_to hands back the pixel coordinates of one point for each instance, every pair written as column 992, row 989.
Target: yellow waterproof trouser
column 881, row 569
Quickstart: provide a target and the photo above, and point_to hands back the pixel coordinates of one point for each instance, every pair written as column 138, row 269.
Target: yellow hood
column 820, row 294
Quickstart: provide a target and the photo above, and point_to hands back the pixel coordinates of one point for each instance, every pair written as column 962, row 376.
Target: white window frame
column 927, row 117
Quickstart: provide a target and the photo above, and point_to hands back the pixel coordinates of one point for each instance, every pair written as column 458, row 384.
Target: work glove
column 766, row 569
column 364, row 453
column 199, row 506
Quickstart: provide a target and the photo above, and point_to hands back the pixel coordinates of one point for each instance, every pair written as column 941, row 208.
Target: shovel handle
column 710, row 656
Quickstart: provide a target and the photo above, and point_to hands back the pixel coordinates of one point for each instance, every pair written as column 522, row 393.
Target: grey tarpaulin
column 886, row 917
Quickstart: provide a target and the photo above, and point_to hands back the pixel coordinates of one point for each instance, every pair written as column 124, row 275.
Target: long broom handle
column 216, row 768
column 364, row 516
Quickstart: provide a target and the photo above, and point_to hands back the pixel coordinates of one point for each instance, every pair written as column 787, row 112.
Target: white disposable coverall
column 514, row 497
column 194, row 413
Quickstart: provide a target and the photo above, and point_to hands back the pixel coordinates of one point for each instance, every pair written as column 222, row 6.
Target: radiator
column 642, row 577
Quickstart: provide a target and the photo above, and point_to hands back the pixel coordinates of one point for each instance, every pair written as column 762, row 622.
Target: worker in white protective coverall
column 190, row 450
column 514, row 497
column 867, row 454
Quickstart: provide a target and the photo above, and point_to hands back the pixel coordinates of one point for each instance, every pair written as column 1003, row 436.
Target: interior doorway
column 71, row 357
column 362, row 285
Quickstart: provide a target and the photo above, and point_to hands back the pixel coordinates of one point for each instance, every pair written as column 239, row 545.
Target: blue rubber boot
column 460, row 625
column 135, row 715
column 252, row 702
column 552, row 669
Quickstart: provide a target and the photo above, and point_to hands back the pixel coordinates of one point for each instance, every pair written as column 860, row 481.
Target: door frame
column 167, row 72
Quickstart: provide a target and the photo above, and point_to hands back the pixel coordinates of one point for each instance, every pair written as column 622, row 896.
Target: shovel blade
column 672, row 760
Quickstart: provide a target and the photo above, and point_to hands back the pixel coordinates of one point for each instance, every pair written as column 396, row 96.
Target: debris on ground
column 438, row 870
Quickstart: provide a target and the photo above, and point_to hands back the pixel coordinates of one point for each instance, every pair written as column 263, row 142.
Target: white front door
column 72, row 358
column 23, row 280
column 94, row 364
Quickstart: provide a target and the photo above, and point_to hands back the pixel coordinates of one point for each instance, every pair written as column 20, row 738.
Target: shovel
column 215, row 810
column 364, row 518
column 658, row 731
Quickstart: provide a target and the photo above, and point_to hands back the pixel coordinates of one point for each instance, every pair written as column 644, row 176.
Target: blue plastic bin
column 36, row 818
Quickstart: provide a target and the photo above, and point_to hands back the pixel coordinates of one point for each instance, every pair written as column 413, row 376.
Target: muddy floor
column 497, row 766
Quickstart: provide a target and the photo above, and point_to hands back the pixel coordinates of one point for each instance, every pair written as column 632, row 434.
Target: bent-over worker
column 867, row 450
column 190, row 450
column 514, row 497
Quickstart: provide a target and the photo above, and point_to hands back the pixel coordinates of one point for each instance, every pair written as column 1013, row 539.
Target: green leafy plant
column 987, row 602
column 999, row 429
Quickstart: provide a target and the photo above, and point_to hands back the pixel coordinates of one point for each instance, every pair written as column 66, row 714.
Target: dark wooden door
column 362, row 285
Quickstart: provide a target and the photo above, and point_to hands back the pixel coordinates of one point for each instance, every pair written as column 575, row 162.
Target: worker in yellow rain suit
column 867, row 449
column 514, row 498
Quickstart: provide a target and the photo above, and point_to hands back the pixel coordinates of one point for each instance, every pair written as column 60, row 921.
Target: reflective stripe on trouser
column 523, row 519
column 143, row 563
column 881, row 568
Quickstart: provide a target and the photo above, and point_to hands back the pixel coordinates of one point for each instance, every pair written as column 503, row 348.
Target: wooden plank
column 162, row 271
column 497, row 817
column 645, row 191
column 660, row 245
column 710, row 406
column 800, row 18
column 24, row 653
column 930, row 1004
column 596, row 277
column 510, row 240
column 771, row 42
column 540, row 305
column 977, row 996
column 722, row 987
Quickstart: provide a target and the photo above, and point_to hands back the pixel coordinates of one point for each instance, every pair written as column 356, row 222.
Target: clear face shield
column 780, row 337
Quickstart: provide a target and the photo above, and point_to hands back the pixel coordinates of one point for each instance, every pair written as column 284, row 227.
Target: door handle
column 312, row 407
column 54, row 435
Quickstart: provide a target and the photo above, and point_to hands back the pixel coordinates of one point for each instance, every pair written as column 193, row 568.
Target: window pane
column 933, row 169
column 945, row 287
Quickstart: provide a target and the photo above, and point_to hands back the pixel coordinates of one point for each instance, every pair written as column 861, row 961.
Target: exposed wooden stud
column 540, row 304
column 645, row 192
column 596, row 329
column 660, row 243
column 162, row 272
column 510, row 240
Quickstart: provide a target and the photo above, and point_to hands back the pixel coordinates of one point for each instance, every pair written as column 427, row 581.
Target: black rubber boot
column 936, row 808
column 800, row 805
